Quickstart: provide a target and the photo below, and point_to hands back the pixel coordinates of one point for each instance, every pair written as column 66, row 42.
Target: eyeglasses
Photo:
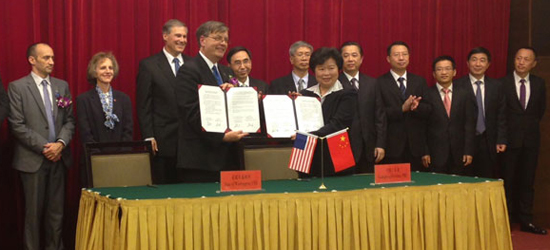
column 220, row 39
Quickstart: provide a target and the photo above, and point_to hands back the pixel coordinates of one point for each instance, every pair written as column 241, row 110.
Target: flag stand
column 322, row 187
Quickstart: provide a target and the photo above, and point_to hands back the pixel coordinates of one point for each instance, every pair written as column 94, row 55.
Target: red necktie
column 447, row 101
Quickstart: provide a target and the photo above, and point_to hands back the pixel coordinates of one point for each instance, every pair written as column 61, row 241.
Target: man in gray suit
column 43, row 127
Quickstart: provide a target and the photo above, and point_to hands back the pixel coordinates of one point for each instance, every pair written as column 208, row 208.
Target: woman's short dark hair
column 96, row 60
column 321, row 55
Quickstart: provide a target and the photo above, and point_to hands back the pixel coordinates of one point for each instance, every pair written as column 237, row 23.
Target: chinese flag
column 340, row 150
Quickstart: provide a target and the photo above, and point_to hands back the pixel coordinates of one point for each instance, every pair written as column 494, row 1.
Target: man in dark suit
column 368, row 130
column 402, row 94
column 525, row 107
column 156, row 102
column 43, row 129
column 240, row 61
column 451, row 123
column 487, row 95
column 299, row 79
column 202, row 155
column 4, row 104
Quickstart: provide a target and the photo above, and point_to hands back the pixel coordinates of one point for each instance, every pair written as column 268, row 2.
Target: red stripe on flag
column 300, row 159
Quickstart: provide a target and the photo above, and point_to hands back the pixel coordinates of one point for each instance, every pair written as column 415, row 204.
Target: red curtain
column 77, row 29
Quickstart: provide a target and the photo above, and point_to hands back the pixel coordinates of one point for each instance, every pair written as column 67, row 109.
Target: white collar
column 170, row 57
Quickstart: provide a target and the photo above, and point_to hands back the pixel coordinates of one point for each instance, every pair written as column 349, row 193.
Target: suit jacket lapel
column 512, row 84
column 203, row 68
column 35, row 92
column 532, row 90
column 439, row 102
column 394, row 88
column 55, row 93
column 116, row 106
column 165, row 67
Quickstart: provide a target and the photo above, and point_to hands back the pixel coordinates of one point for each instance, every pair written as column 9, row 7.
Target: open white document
column 283, row 116
column 238, row 109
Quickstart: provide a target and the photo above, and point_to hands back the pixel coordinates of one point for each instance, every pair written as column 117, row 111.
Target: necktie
column 447, row 101
column 480, row 126
column 176, row 65
column 217, row 75
column 522, row 94
column 401, row 81
column 354, row 83
column 300, row 85
column 49, row 115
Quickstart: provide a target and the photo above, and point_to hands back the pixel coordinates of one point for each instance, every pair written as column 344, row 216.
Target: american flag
column 302, row 152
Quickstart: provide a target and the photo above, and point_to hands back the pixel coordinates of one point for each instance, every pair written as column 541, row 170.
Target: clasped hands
column 52, row 151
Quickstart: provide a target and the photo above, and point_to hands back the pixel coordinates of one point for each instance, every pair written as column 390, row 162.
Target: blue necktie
column 176, row 65
column 480, row 126
column 217, row 75
column 402, row 86
column 49, row 115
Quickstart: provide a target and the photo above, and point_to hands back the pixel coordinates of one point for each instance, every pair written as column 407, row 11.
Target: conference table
column 434, row 211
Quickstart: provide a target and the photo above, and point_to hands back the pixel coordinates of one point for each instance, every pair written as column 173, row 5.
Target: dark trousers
column 363, row 165
column 483, row 165
column 44, row 198
column 164, row 170
column 406, row 157
column 450, row 166
column 518, row 172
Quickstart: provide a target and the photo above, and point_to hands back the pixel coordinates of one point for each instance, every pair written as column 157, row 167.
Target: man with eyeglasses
column 299, row 79
column 202, row 155
column 156, row 102
column 240, row 61
column 451, row 123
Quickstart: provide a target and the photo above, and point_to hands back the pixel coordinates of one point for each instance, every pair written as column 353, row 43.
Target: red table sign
column 241, row 180
column 392, row 173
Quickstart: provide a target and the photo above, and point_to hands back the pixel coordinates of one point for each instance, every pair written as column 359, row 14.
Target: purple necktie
column 522, row 94
column 49, row 114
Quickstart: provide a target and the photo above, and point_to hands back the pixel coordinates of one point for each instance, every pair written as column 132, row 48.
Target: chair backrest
column 273, row 161
column 118, row 164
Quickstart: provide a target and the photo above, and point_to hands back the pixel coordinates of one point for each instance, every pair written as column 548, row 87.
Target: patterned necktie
column 447, row 101
column 217, row 75
column 354, row 83
column 49, row 114
column 522, row 94
column 301, row 85
column 176, row 65
column 480, row 126
column 401, row 81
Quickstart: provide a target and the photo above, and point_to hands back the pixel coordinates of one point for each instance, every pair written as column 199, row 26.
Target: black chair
column 118, row 164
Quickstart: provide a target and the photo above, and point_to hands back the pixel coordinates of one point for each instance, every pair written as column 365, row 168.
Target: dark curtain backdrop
column 76, row 29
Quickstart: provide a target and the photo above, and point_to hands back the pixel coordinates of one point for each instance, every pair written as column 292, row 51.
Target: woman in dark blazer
column 104, row 114
column 338, row 104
